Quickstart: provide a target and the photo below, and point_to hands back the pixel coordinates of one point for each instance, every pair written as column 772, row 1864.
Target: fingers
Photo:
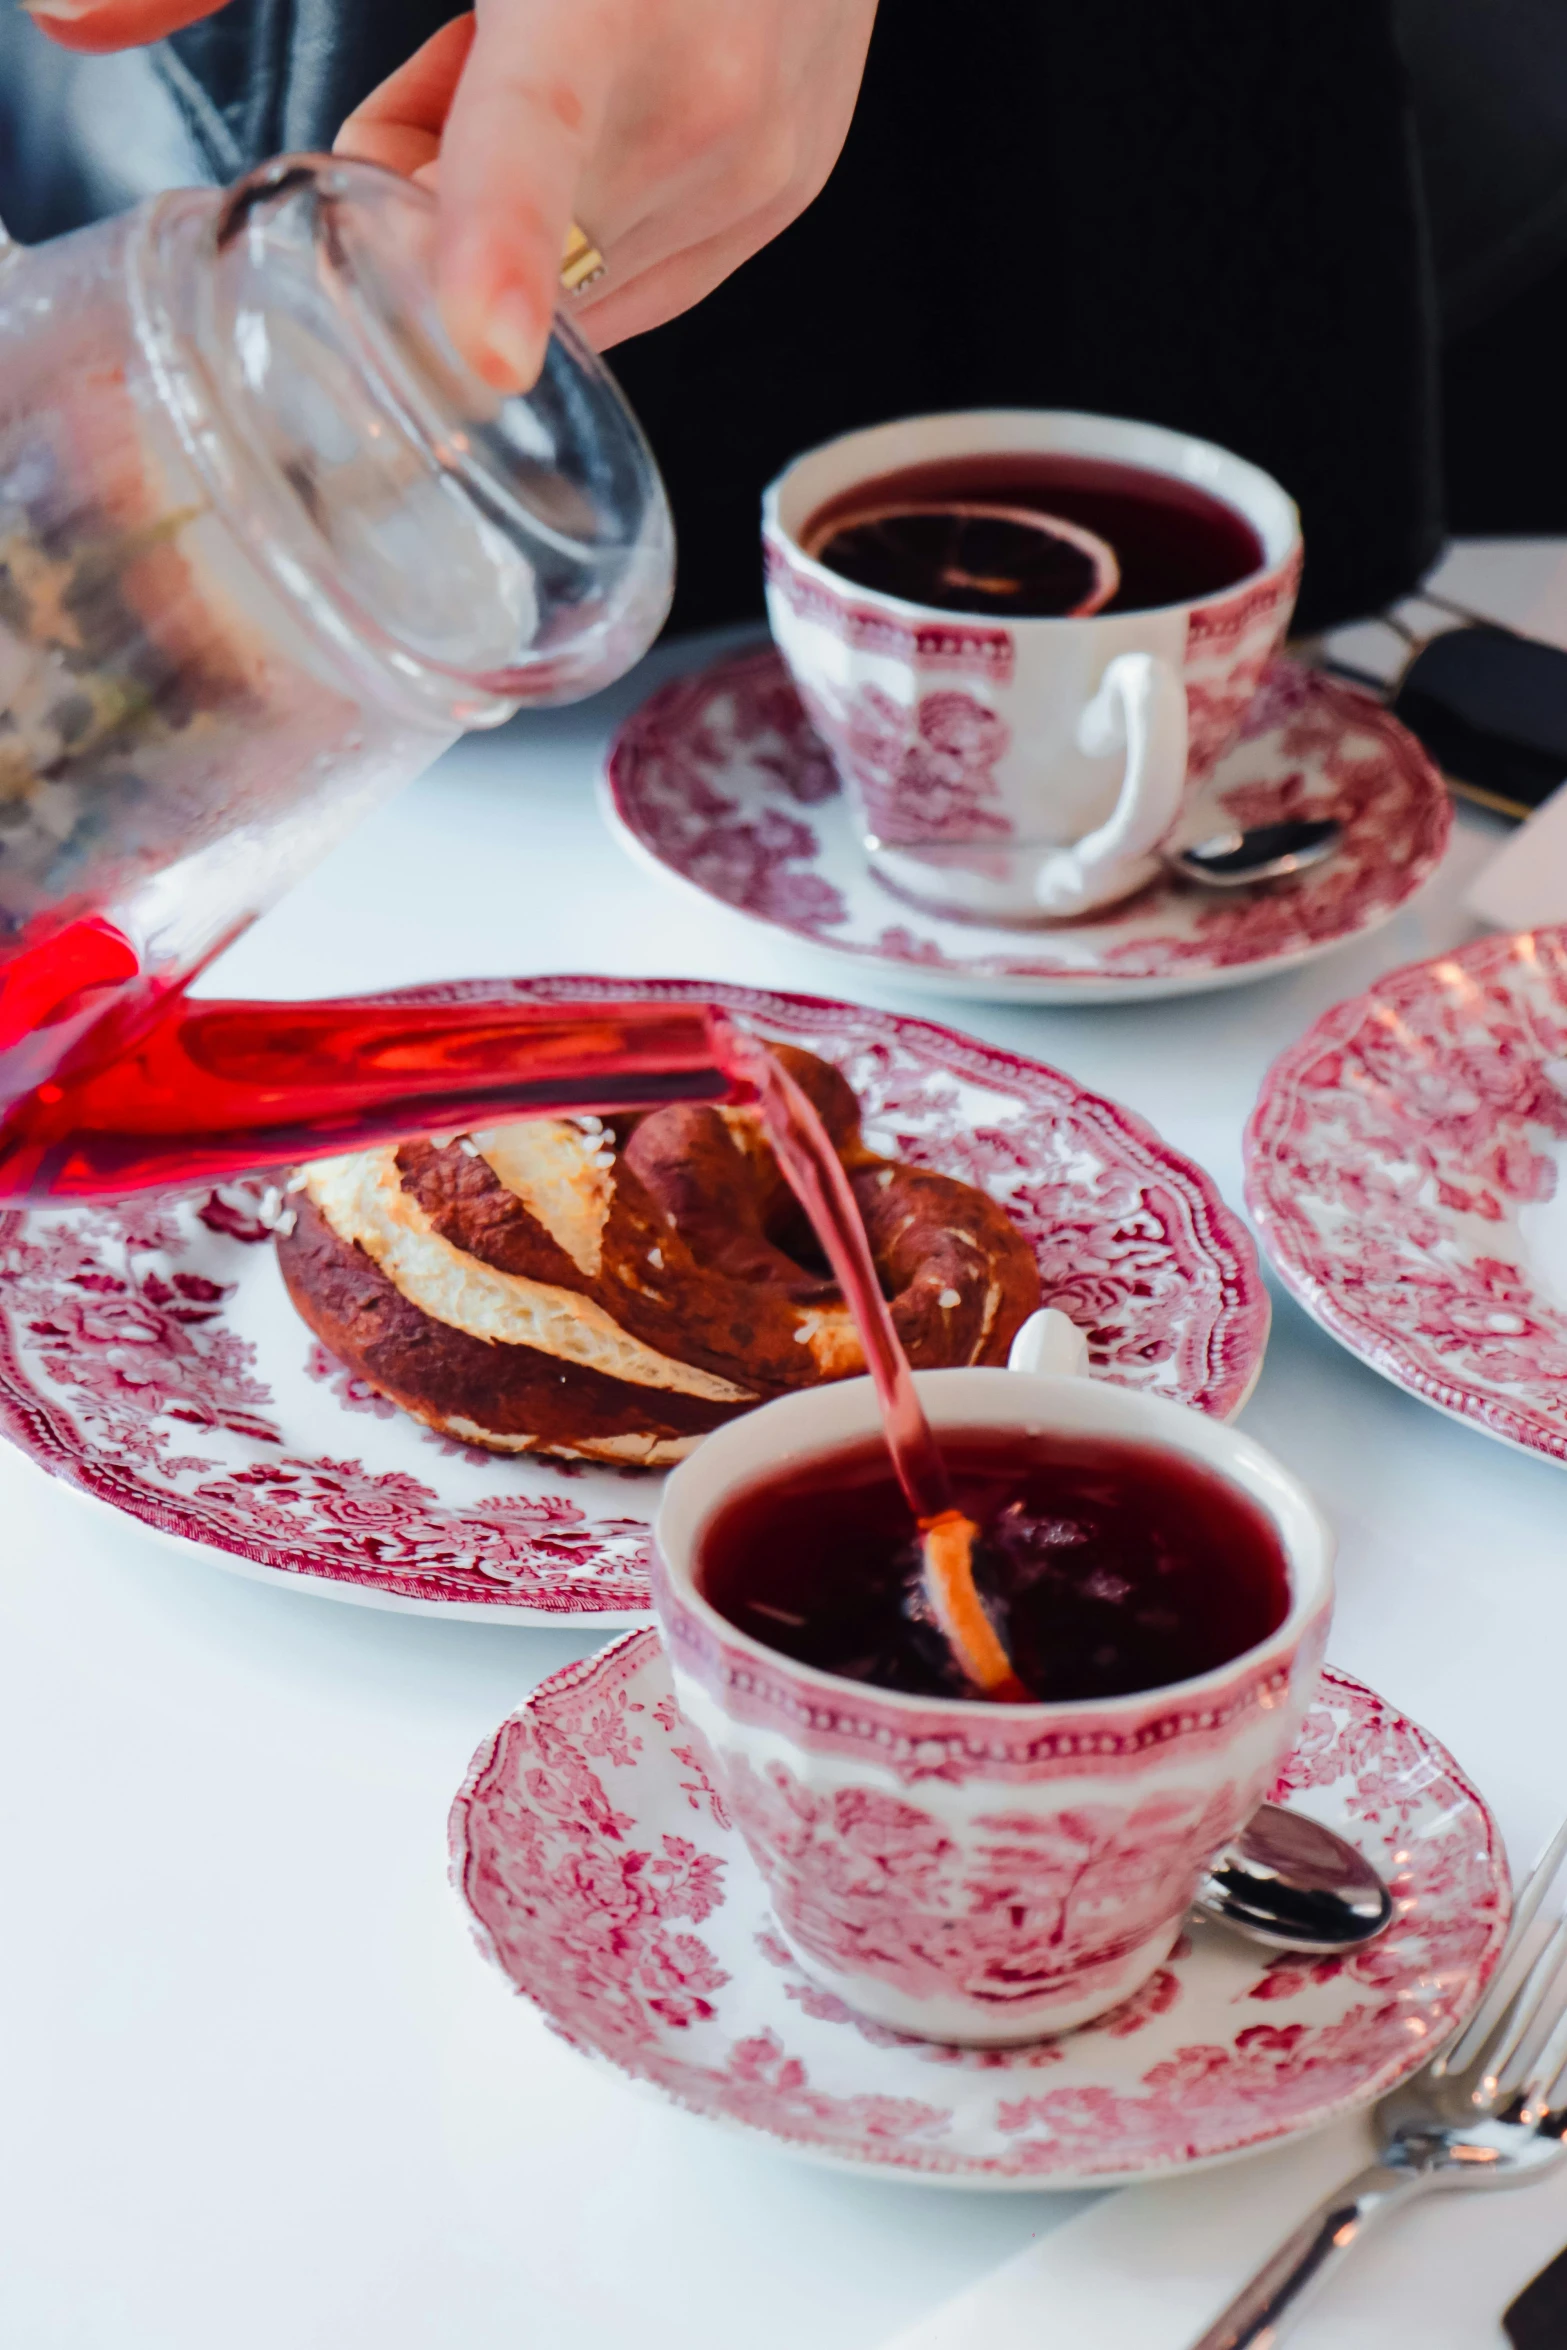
column 761, row 140
column 400, row 124
column 683, row 134
column 526, row 115
column 668, row 287
column 90, row 26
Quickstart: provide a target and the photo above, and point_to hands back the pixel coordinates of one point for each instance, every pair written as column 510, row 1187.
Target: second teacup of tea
column 971, row 1871
column 1026, row 637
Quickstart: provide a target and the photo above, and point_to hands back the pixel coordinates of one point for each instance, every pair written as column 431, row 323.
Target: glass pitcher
column 267, row 547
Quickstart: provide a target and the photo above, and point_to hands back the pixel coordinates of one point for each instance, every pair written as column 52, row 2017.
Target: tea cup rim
column 1092, row 426
column 1058, row 1400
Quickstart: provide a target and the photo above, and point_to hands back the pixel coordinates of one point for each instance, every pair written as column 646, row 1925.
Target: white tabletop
column 257, row 2087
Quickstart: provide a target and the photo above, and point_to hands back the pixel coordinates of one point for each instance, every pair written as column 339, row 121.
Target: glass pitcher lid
column 521, row 545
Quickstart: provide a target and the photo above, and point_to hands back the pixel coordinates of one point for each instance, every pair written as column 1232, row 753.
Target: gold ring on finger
column 582, row 264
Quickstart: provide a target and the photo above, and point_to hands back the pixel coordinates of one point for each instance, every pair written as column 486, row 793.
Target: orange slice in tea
column 947, row 1554
column 1011, row 562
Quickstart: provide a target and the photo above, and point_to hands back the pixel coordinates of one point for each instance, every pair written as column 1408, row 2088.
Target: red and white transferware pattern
column 608, row 1883
column 940, row 641
column 1405, row 1167
column 927, row 774
column 150, row 1356
column 720, row 781
column 1230, row 643
column 926, row 767
column 989, row 1874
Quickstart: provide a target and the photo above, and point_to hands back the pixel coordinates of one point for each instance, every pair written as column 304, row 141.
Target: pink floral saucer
column 1405, row 1168
column 150, row 1356
column 719, row 782
column 606, row 1882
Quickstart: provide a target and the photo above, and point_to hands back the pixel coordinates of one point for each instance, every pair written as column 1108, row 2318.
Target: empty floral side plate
column 1405, row 1165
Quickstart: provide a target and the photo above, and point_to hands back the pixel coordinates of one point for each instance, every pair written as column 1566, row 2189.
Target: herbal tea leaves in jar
column 83, row 690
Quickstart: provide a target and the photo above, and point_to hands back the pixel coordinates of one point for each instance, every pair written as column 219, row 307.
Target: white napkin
column 1149, row 2267
column 1525, row 883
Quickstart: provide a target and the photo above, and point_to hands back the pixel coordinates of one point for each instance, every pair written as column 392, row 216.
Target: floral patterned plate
column 606, row 1882
column 719, row 782
column 1405, row 1167
column 149, row 1353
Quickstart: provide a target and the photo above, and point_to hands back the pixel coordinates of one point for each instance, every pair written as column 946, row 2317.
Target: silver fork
column 1480, row 2114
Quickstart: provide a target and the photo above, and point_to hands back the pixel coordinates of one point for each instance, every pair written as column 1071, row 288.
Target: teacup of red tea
column 971, row 1870
column 1026, row 637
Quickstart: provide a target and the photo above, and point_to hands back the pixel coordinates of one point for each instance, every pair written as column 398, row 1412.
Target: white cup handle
column 1140, row 709
column 1051, row 1342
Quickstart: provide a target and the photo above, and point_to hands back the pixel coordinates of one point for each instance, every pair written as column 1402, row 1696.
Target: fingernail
column 61, row 11
column 511, row 342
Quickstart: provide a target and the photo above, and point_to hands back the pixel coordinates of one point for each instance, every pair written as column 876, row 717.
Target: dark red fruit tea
column 1173, row 541
column 1106, row 1566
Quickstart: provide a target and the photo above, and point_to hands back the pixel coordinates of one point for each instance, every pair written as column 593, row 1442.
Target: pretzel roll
column 612, row 1292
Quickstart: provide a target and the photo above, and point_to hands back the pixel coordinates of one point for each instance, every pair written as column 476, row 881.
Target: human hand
column 682, row 134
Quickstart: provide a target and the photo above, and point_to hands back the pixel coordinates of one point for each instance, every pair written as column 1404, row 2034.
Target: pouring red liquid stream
column 818, row 1181
column 947, row 1537
column 112, row 1082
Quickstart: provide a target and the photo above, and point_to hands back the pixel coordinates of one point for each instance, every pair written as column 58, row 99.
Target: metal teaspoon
column 1267, row 852
column 1293, row 1884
